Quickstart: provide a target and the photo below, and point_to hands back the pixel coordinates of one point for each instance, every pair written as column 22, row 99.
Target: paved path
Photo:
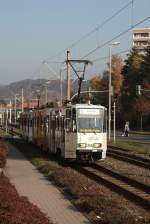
column 29, row 182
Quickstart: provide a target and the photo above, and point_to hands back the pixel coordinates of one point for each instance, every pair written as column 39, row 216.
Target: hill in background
column 32, row 88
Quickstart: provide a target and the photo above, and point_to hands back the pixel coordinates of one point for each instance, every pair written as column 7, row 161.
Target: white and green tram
column 74, row 132
column 79, row 132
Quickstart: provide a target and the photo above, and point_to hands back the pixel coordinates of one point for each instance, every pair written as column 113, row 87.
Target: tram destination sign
column 89, row 111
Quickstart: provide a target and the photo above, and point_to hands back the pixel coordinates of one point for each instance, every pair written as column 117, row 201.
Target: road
column 144, row 139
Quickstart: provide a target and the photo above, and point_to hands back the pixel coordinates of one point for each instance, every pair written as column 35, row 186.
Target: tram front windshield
column 90, row 120
column 89, row 124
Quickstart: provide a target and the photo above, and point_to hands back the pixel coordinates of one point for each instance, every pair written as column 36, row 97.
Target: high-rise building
column 141, row 38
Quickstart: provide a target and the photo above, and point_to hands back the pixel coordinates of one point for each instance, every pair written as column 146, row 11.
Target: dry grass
column 87, row 195
column 132, row 146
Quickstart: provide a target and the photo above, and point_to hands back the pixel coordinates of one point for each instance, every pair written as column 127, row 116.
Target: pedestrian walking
column 126, row 129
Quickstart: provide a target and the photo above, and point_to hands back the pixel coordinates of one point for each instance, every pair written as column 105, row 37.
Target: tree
column 131, row 72
column 131, row 77
column 145, row 68
column 101, row 82
column 143, row 102
column 95, row 82
column 117, row 77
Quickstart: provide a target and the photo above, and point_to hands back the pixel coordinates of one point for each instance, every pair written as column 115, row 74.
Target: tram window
column 105, row 121
column 25, row 121
column 42, row 123
column 68, row 113
column 56, row 123
column 34, row 122
column 30, row 123
column 90, row 123
column 62, row 122
column 38, row 122
column 47, row 124
column 74, row 125
column 53, row 122
column 68, row 124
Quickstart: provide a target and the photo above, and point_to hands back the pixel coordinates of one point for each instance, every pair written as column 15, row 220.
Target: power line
column 132, row 13
column 105, row 57
column 95, row 29
column 118, row 35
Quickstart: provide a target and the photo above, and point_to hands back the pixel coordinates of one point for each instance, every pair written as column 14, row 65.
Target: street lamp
column 110, row 90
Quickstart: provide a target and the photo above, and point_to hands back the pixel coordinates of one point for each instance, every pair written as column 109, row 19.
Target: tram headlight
column 82, row 145
column 97, row 145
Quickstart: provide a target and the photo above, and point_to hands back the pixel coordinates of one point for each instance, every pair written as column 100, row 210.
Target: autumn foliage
column 13, row 208
column 124, row 78
column 3, row 154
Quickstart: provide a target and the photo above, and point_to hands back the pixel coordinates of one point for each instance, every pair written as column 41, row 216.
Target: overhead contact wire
column 118, row 35
column 94, row 30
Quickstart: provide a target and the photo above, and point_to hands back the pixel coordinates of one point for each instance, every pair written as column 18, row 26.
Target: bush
column 3, row 154
column 17, row 210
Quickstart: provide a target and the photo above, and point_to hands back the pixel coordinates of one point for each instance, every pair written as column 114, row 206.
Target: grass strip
column 87, row 195
column 132, row 146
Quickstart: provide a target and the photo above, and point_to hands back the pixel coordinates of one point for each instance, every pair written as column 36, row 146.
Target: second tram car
column 76, row 132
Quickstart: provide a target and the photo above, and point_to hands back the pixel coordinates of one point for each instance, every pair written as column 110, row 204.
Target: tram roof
column 76, row 106
column 84, row 106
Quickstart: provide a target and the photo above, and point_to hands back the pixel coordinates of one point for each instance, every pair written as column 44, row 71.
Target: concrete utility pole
column 22, row 101
column 62, row 68
column 89, row 93
column 61, row 87
column 15, row 108
column 110, row 91
column 6, row 121
column 45, row 93
column 68, row 75
column 114, row 122
column 10, row 110
column 109, row 97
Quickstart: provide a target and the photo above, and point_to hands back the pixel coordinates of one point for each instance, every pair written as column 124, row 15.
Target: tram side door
column 70, row 136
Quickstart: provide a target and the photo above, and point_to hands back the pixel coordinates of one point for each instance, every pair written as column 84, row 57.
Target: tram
column 74, row 132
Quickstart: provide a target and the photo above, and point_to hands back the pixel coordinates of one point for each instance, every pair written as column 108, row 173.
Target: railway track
column 132, row 190
column 130, row 158
column 12, row 131
column 114, row 152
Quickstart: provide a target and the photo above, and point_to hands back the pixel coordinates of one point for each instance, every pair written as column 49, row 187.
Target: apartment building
column 141, row 38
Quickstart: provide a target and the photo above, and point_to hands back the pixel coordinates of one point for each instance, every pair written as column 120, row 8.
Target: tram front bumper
column 89, row 155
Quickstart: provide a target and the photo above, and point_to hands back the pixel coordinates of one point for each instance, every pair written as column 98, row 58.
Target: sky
column 34, row 32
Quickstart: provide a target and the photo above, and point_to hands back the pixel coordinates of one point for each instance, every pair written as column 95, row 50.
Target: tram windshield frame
column 90, row 120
